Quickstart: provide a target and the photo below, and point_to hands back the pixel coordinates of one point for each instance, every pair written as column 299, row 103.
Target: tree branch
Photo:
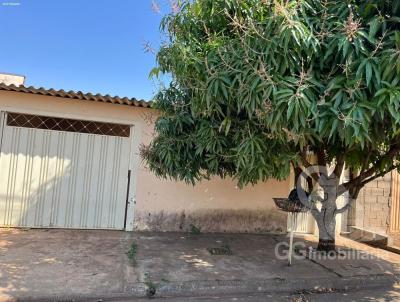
column 306, row 164
column 361, row 185
column 377, row 175
column 360, row 179
column 322, row 162
column 303, row 158
column 339, row 166
column 345, row 207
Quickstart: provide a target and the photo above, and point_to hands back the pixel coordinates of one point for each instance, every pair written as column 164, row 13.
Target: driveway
column 44, row 263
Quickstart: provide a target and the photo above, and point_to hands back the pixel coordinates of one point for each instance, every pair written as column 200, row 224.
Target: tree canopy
column 256, row 84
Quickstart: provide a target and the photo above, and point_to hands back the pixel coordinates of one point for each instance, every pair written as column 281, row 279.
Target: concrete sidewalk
column 36, row 264
column 70, row 264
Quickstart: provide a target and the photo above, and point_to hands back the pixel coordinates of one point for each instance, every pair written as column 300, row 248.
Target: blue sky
column 88, row 45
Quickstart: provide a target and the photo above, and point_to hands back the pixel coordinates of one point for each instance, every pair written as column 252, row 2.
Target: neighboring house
column 71, row 160
column 376, row 214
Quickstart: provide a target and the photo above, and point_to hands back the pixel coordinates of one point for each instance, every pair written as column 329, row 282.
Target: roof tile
column 79, row 95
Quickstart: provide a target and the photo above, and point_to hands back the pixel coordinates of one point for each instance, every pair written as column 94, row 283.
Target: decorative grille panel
column 69, row 125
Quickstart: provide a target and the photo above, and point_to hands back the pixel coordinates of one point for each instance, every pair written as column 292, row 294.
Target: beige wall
column 371, row 211
column 216, row 205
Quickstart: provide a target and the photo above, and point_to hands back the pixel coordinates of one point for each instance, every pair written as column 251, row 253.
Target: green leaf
column 373, row 28
column 368, row 72
column 333, row 128
column 360, row 68
column 154, row 72
column 290, row 109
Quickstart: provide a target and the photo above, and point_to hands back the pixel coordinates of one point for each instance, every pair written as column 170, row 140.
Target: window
column 69, row 125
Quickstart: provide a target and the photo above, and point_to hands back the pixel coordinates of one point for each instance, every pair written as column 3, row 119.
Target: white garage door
column 63, row 173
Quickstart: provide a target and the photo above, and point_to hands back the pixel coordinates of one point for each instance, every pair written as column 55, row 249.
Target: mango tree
column 258, row 85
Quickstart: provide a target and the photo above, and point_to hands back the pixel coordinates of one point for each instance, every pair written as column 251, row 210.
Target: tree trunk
column 326, row 221
column 324, row 194
column 326, row 227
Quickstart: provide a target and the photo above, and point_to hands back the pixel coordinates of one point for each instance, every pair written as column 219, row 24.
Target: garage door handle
column 128, row 200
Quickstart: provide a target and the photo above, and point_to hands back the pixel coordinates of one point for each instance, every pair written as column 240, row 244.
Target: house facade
column 71, row 160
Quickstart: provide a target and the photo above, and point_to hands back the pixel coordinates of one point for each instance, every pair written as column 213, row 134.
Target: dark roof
column 78, row 95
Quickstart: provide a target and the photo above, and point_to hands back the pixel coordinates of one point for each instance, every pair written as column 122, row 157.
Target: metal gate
column 304, row 222
column 63, row 173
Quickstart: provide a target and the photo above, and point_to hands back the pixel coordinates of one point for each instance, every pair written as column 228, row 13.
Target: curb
column 232, row 287
column 276, row 285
